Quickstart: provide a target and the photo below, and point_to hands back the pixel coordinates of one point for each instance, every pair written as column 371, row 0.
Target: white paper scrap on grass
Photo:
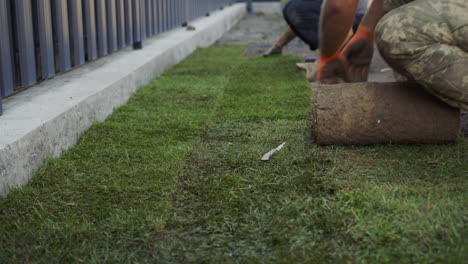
column 271, row 152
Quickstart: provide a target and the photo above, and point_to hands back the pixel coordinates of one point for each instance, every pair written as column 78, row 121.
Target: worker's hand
column 331, row 69
column 358, row 53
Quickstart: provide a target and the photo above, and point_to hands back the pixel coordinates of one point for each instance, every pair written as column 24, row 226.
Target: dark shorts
column 303, row 16
column 357, row 22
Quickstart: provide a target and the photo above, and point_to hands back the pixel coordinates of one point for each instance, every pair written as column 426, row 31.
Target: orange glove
column 330, row 69
column 358, row 53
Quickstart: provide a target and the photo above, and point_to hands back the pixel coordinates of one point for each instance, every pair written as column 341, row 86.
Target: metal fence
column 42, row 38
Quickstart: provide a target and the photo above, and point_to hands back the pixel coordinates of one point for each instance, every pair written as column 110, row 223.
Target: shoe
column 311, row 70
column 273, row 51
column 311, row 59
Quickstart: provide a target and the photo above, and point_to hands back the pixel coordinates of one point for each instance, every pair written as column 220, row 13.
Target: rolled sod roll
column 381, row 113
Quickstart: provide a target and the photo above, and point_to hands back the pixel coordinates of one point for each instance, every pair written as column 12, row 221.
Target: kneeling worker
column 424, row 40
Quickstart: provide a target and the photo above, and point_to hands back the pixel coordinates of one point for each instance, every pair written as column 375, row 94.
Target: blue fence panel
column 43, row 37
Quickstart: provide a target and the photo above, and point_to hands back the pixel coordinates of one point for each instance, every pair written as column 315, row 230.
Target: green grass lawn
column 175, row 176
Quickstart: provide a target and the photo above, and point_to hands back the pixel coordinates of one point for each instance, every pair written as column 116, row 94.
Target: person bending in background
column 302, row 17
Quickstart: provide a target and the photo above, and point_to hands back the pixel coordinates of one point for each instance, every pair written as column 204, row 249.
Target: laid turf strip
column 175, row 176
column 307, row 204
column 102, row 200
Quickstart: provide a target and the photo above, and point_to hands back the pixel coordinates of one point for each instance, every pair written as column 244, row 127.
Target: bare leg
column 285, row 38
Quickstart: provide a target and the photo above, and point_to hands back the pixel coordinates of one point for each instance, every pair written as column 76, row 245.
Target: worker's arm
column 335, row 22
column 360, row 49
column 353, row 61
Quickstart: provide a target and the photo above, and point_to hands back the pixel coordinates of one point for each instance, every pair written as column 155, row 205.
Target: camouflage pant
column 427, row 42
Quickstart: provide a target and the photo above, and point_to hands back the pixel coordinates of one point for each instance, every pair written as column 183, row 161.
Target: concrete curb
column 48, row 119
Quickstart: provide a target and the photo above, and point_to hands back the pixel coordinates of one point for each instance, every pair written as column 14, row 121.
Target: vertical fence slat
column 172, row 13
column 137, row 38
column 177, row 9
column 46, row 39
column 7, row 74
column 111, row 25
column 149, row 17
column 101, row 21
column 161, row 15
column 181, row 12
column 90, row 29
column 77, row 33
column 128, row 21
column 143, row 19
column 120, row 23
column 26, row 49
column 186, row 13
column 176, row 15
column 166, row 15
column 62, row 35
column 169, row 14
column 155, row 17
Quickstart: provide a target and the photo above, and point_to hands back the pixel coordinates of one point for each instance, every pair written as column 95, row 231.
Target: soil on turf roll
column 382, row 113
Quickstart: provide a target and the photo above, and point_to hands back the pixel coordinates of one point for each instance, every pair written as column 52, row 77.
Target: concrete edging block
column 48, row 119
